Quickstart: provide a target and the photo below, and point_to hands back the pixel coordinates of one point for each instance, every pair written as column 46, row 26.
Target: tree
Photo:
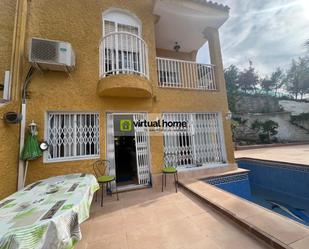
column 274, row 82
column 231, row 77
column 267, row 84
column 277, row 79
column 292, row 81
column 248, row 79
column 297, row 79
column 303, row 68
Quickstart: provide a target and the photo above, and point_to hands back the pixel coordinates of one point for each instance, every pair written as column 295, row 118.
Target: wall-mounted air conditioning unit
column 51, row 55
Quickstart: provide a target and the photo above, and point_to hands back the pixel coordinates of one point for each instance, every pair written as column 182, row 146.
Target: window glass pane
column 109, row 27
column 127, row 28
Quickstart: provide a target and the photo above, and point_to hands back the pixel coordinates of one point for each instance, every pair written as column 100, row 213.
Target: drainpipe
column 17, row 61
column 21, row 166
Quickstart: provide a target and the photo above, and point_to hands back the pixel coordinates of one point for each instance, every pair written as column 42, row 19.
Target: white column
column 212, row 35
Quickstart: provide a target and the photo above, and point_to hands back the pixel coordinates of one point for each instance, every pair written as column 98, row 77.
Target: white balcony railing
column 185, row 74
column 123, row 53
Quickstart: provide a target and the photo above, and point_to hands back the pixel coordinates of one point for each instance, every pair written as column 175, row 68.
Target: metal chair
column 101, row 168
column 169, row 170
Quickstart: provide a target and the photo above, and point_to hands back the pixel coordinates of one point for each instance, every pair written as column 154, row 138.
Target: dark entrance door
column 125, row 154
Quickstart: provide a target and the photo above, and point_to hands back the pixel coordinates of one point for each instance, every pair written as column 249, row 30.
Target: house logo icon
column 125, row 125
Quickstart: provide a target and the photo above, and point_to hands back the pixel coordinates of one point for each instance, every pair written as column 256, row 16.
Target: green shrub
column 266, row 130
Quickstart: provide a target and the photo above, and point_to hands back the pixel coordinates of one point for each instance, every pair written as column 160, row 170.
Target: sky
column 270, row 33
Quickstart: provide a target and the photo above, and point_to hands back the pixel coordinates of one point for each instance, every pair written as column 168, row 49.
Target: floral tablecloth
column 47, row 213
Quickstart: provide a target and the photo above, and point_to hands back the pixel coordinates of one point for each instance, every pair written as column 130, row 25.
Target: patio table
column 47, row 213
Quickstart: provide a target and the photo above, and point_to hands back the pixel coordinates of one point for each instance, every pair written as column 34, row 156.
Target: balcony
column 124, row 70
column 185, row 75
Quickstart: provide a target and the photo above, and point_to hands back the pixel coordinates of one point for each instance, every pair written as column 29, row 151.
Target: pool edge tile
column 195, row 186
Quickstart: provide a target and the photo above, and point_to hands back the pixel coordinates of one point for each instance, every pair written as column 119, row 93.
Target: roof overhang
column 185, row 21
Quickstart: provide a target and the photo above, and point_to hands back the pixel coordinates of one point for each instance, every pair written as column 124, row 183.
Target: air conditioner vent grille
column 44, row 50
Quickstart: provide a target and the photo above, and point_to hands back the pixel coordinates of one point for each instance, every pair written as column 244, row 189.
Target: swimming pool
column 280, row 187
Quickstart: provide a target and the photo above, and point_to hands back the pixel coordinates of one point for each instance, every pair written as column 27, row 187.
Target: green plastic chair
column 169, row 170
column 100, row 168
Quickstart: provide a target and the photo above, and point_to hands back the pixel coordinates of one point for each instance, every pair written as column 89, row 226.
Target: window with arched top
column 122, row 50
column 120, row 21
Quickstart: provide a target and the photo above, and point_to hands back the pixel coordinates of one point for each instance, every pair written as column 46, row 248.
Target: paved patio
column 276, row 229
column 151, row 219
column 291, row 154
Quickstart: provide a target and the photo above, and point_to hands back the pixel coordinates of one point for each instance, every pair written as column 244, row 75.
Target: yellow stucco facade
column 9, row 134
column 7, row 8
column 9, row 150
column 80, row 23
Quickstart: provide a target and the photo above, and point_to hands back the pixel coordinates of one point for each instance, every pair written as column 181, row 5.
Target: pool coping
column 274, row 229
column 263, row 146
column 273, row 162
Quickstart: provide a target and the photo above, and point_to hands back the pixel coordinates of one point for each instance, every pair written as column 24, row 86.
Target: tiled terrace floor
column 290, row 154
column 151, row 219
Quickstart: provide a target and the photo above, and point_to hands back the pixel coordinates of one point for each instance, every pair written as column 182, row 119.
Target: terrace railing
column 123, row 53
column 185, row 74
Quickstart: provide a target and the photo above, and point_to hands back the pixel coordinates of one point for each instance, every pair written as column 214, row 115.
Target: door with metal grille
column 201, row 143
column 178, row 143
column 110, row 145
column 141, row 143
column 142, row 150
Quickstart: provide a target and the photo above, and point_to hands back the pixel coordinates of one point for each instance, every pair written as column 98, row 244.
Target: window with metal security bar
column 202, row 142
column 72, row 136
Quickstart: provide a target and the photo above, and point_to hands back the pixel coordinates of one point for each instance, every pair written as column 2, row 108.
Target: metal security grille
column 142, row 150
column 72, row 136
column 178, row 143
column 200, row 143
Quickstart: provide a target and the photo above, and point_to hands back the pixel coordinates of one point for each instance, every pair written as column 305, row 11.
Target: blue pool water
column 282, row 188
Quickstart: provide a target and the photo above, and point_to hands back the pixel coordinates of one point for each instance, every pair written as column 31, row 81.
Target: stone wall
column 287, row 132
column 264, row 108
column 257, row 104
column 294, row 107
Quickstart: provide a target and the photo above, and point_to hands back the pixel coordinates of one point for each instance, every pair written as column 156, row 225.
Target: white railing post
column 185, row 74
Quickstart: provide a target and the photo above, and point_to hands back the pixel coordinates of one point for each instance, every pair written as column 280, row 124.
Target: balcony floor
column 151, row 219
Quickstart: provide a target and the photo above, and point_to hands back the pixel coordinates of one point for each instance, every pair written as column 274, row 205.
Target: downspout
column 21, row 165
column 17, row 61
